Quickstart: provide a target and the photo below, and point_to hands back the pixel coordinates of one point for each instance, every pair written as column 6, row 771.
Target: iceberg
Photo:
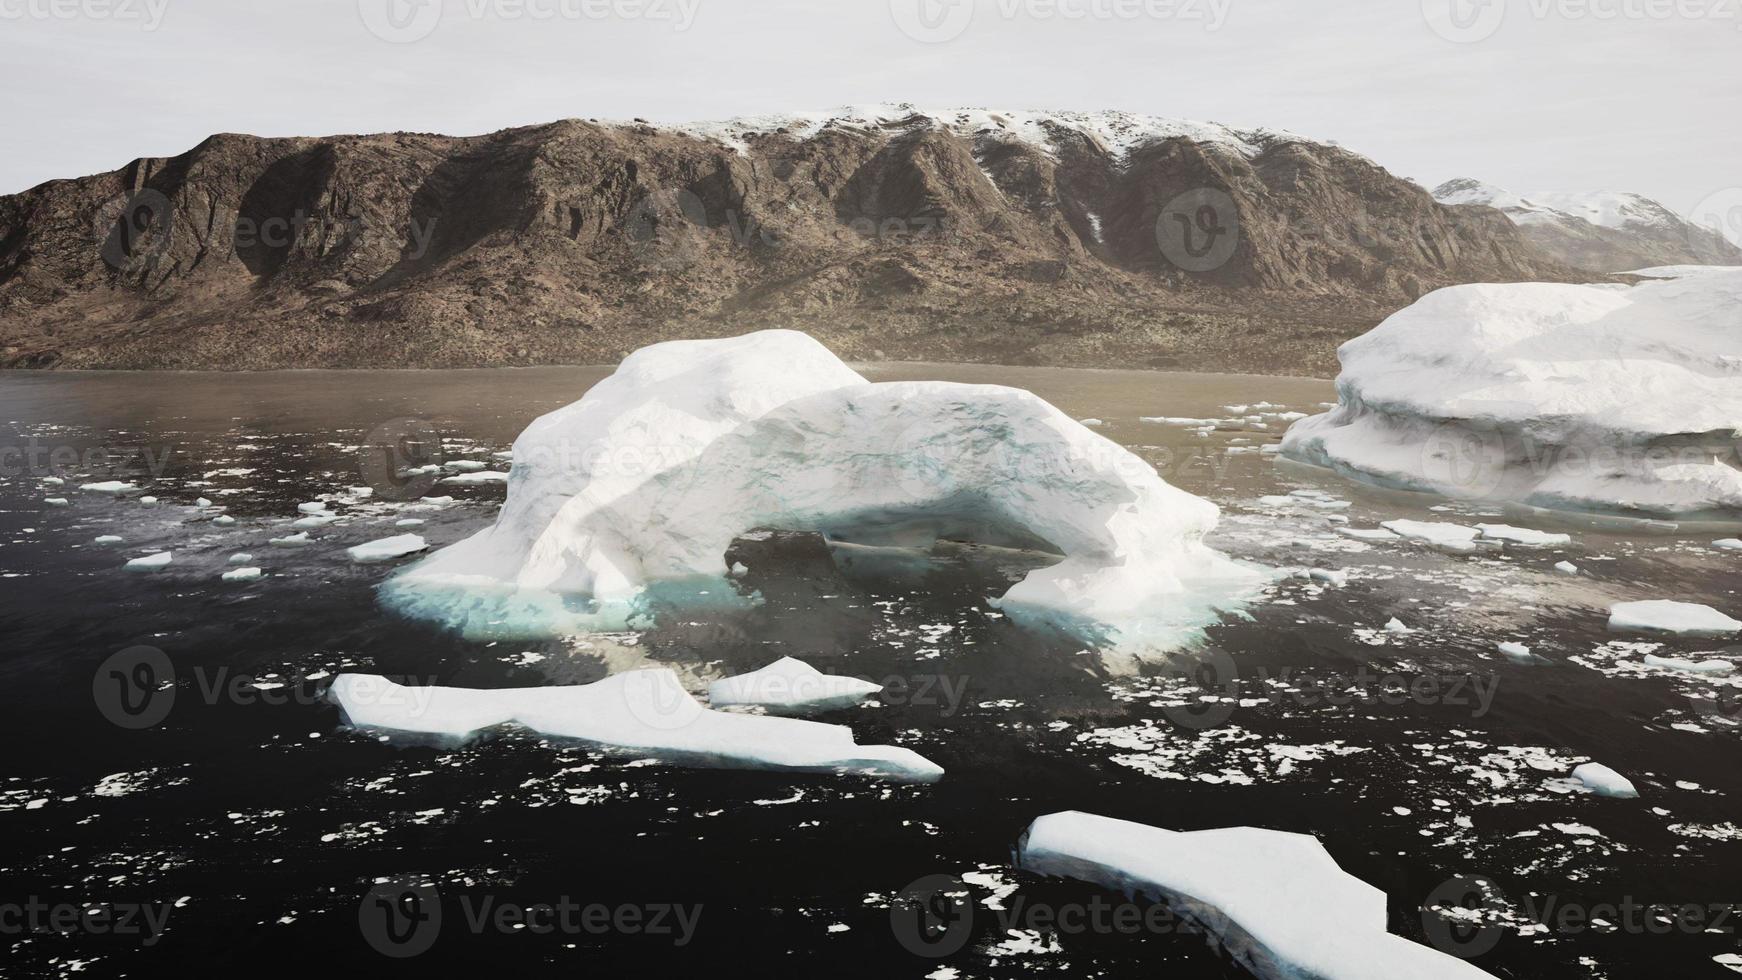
column 388, row 549
column 149, row 563
column 634, row 494
column 1604, row 781
column 249, row 574
column 1602, row 398
column 1277, row 902
column 645, row 710
column 789, row 684
column 1665, row 616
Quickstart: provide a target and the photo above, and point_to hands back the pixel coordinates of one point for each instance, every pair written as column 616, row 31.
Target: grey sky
column 1641, row 95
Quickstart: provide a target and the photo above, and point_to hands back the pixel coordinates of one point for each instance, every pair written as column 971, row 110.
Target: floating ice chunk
column 1367, row 534
column 112, row 487
column 646, row 710
column 639, row 489
column 1333, row 577
column 1451, row 537
column 53, row 481
column 409, row 522
column 1277, row 902
column 314, row 520
column 791, row 685
column 1665, row 616
column 1516, row 651
column 148, row 501
column 1710, row 667
column 1728, row 544
column 312, row 507
column 1471, row 392
column 388, row 549
column 1396, row 626
column 438, row 501
column 1524, row 536
column 1604, row 781
column 1091, row 422
column 57, row 502
column 473, row 479
column 1566, row 568
column 463, row 466
column 202, row 503
column 248, row 574
column 292, row 541
column 241, row 558
column 223, row 520
column 150, row 563
column 108, row 539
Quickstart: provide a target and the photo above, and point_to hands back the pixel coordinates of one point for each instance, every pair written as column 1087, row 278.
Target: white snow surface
column 1604, row 781
column 1116, row 132
column 1276, row 901
column 388, row 549
column 790, row 684
column 1609, row 398
column 1606, row 209
column 636, row 491
column 646, row 710
column 1666, row 616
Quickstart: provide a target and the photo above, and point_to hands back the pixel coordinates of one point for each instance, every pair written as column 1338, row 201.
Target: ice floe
column 790, row 684
column 291, row 541
column 150, row 563
column 1451, row 537
column 646, row 710
column 111, row 487
column 388, row 549
column 248, row 574
column 636, row 491
column 1666, row 616
column 1277, row 902
column 1604, row 781
column 1608, row 398
column 1523, row 536
column 1728, row 544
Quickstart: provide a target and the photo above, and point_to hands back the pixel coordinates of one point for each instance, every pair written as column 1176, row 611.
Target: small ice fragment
column 437, row 500
column 472, row 479
column 150, row 563
column 293, row 541
column 1452, row 537
column 108, row 539
column 1713, row 667
column 202, row 503
column 313, row 507
column 241, row 558
column 409, row 522
column 1566, row 568
column 53, row 481
column 1666, row 616
column 57, row 502
column 1604, row 781
column 1338, row 578
column 1729, row 544
column 1523, row 536
column 792, row 685
column 1396, row 626
column 1517, row 651
column 387, row 549
column 248, row 574
column 112, row 487
column 148, row 501
column 223, row 520
column 1090, row 422
column 462, row 466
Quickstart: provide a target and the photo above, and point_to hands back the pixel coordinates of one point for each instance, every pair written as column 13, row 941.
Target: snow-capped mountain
column 1604, row 231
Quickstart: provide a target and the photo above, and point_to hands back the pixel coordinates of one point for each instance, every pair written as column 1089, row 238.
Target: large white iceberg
column 1277, row 902
column 1609, row 398
column 636, row 491
column 647, row 710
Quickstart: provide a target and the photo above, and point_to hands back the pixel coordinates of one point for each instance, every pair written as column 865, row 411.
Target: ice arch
column 875, row 463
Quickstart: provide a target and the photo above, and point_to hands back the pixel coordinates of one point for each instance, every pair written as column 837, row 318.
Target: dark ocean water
column 260, row 834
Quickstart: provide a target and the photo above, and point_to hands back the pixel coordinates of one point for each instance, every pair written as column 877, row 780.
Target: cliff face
column 1064, row 238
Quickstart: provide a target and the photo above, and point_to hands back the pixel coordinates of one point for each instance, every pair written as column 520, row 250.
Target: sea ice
column 1665, row 616
column 1451, row 537
column 108, row 539
column 248, row 574
column 1276, row 901
column 312, row 507
column 1606, row 397
column 1729, row 544
column 1604, row 781
column 1516, row 651
column 148, row 501
column 150, row 563
column 388, row 549
column 473, row 479
column 1709, row 667
column 463, row 465
column 1397, row 626
column 223, row 520
column 635, row 493
column 1566, row 568
column 112, row 487
column 241, row 558
column 1523, row 536
column 57, row 502
column 646, row 710
column 791, row 685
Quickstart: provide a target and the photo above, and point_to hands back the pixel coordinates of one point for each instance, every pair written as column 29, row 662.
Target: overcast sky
column 1528, row 94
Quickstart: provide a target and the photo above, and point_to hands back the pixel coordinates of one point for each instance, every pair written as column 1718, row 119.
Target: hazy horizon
column 1532, row 95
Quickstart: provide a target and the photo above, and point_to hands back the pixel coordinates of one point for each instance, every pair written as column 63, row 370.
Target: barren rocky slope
column 1084, row 239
